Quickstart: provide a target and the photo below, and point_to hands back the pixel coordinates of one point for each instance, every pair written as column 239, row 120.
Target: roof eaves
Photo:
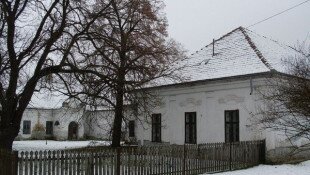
column 43, row 108
column 192, row 83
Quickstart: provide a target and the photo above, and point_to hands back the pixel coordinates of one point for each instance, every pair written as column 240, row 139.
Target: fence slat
column 145, row 160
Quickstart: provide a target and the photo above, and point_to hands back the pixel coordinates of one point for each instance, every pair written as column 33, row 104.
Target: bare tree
column 37, row 39
column 131, row 50
column 287, row 100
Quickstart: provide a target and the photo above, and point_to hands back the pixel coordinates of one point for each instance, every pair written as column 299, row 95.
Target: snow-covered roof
column 239, row 52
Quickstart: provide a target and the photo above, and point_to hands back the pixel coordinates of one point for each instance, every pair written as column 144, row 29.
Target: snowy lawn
column 286, row 169
column 38, row 145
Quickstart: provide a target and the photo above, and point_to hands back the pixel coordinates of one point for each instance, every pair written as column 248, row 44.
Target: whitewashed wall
column 63, row 115
column 33, row 114
column 98, row 124
column 209, row 101
column 91, row 124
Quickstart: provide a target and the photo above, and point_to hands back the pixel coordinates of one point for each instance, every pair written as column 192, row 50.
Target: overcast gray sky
column 194, row 23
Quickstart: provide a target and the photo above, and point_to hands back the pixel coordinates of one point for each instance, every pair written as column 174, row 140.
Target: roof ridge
column 273, row 40
column 245, row 31
column 215, row 40
column 254, row 47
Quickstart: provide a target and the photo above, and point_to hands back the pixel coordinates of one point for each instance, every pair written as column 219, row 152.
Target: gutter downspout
column 251, row 86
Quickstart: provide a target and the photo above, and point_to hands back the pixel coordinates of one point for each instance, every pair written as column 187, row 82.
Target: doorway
column 73, row 131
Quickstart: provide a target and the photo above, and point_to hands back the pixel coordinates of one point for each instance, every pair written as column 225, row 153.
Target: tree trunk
column 118, row 118
column 6, row 143
column 9, row 127
column 7, row 136
column 119, row 110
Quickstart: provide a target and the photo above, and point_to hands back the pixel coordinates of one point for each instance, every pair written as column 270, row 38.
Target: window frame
column 192, row 124
column 156, row 127
column 26, row 127
column 233, row 136
column 131, row 128
column 51, row 126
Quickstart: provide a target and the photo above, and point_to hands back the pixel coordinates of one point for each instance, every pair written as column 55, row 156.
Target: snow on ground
column 286, row 169
column 38, row 145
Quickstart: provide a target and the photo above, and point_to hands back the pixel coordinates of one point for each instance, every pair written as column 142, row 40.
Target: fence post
column 184, row 159
column 230, row 156
column 262, row 152
column 92, row 164
column 118, row 161
column 15, row 163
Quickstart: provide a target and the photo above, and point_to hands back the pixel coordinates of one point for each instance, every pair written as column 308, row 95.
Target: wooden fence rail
column 145, row 160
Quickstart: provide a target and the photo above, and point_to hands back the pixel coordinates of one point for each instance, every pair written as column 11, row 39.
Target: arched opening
column 73, row 131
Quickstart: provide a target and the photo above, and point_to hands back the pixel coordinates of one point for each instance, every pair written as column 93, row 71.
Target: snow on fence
column 145, row 160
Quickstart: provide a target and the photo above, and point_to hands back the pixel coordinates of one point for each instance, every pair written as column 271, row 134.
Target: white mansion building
column 216, row 105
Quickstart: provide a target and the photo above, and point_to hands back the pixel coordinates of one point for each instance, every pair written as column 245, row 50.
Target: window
column 156, row 128
column 232, row 126
column 49, row 128
column 131, row 126
column 190, row 127
column 57, row 123
column 26, row 126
